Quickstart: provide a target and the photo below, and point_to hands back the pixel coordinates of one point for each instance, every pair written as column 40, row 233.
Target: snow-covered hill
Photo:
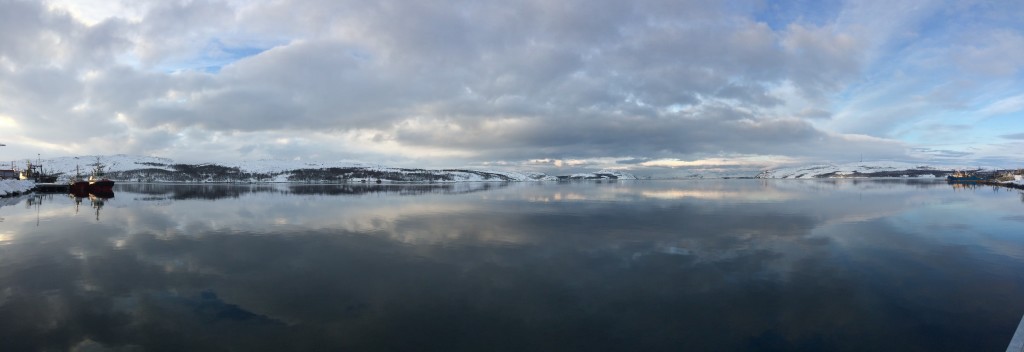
column 602, row 175
column 860, row 169
column 153, row 169
column 66, row 165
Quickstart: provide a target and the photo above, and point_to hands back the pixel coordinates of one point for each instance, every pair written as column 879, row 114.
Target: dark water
column 629, row 266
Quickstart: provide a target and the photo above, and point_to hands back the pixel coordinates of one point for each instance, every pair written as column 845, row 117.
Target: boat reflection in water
column 97, row 198
column 964, row 185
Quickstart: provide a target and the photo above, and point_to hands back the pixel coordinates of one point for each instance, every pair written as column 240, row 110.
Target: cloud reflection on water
column 827, row 265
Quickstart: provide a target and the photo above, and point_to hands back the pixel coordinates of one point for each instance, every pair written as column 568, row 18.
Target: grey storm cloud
column 509, row 81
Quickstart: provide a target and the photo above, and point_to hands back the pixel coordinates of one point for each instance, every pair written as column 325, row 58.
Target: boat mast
column 98, row 168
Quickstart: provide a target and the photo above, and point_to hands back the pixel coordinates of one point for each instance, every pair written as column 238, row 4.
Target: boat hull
column 101, row 186
column 79, row 189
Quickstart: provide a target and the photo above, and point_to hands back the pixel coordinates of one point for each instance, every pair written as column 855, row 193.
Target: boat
column 964, row 176
column 77, row 185
column 98, row 183
column 34, row 172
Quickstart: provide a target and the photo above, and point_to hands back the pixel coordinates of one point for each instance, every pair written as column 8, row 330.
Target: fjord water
column 858, row 265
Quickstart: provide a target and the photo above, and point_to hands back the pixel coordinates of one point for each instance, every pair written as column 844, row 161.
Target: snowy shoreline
column 1018, row 184
column 15, row 187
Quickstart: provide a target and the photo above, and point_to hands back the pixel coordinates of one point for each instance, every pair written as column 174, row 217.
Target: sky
column 654, row 86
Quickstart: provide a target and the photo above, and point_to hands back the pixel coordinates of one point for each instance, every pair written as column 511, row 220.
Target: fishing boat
column 964, row 176
column 35, row 173
column 77, row 185
column 98, row 182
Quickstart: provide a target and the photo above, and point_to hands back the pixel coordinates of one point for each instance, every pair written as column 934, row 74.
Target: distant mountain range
column 153, row 169
column 861, row 169
column 132, row 168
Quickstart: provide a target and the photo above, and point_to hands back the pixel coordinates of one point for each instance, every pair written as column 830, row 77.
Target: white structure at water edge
column 1017, row 343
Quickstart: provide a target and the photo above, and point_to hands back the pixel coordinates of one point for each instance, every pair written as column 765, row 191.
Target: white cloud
column 1006, row 105
column 468, row 81
column 92, row 12
column 720, row 162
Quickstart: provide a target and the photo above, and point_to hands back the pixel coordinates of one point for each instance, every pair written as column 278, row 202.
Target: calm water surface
column 720, row 265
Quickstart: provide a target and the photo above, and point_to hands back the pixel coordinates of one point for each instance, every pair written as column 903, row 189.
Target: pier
column 52, row 187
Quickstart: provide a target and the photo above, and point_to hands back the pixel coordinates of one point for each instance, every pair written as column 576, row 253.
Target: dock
column 1017, row 343
column 51, row 187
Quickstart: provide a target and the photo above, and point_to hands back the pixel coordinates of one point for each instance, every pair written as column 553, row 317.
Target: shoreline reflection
column 219, row 191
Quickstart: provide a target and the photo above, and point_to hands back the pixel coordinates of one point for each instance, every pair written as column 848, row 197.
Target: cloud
column 475, row 81
column 997, row 53
column 942, row 153
column 811, row 113
column 712, row 163
column 1005, row 106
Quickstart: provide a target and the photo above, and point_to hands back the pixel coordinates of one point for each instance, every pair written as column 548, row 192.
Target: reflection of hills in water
column 886, row 182
column 218, row 191
column 37, row 201
column 859, row 184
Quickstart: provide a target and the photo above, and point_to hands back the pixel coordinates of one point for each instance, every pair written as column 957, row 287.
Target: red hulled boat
column 78, row 186
column 98, row 183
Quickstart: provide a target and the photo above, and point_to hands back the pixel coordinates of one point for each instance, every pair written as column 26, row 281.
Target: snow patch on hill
column 860, row 169
column 66, row 166
column 603, row 175
column 278, row 166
